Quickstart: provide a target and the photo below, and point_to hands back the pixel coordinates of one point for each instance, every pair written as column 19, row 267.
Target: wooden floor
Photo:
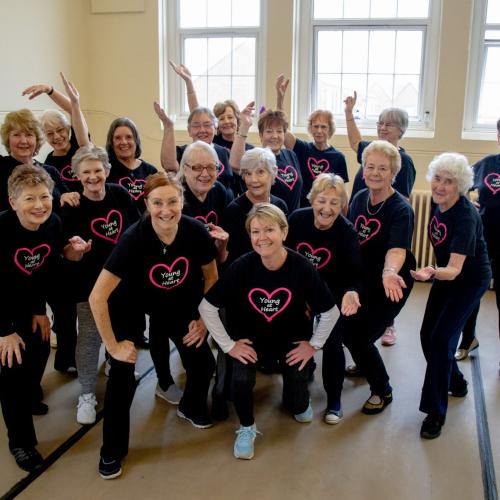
column 364, row 457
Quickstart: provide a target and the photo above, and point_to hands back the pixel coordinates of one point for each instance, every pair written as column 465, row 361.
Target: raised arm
column 43, row 88
column 352, row 129
column 238, row 147
column 168, row 155
column 185, row 74
column 77, row 119
column 281, row 88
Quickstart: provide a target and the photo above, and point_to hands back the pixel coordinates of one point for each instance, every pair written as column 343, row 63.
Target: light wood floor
column 364, row 457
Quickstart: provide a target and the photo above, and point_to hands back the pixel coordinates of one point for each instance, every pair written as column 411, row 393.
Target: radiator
column 421, row 246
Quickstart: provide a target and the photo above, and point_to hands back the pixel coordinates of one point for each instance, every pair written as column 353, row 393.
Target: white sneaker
column 86, row 413
column 53, row 340
column 172, row 395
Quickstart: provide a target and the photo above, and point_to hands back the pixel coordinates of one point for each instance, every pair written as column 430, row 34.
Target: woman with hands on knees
column 270, row 296
column 169, row 261
column 314, row 157
column 329, row 241
column 29, row 256
column 460, row 278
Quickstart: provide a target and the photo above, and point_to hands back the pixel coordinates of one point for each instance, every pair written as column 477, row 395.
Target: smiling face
column 58, row 137
column 200, row 172
column 93, row 176
column 267, row 237
column 201, row 128
column 164, row 204
column 273, row 137
column 258, row 181
column 388, row 131
column 377, row 172
column 228, row 124
column 22, row 145
column 444, row 190
column 33, row 206
column 326, row 207
column 124, row 145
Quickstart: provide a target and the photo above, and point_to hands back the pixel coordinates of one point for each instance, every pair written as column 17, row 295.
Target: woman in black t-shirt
column 460, row 279
column 168, row 259
column 270, row 296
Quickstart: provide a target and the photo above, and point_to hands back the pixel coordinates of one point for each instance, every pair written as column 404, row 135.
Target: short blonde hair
column 388, row 150
column 220, row 108
column 28, row 176
column 456, row 166
column 266, row 211
column 24, row 120
column 327, row 181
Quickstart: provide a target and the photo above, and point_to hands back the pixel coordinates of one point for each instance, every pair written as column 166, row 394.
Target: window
column 384, row 49
column 220, row 42
column 482, row 103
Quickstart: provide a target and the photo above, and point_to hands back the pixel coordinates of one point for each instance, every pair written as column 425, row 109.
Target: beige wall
column 113, row 59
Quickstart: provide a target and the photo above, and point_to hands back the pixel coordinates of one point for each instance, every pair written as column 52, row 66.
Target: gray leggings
column 87, row 348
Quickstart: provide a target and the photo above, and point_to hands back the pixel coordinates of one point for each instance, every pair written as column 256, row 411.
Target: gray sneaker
column 172, row 395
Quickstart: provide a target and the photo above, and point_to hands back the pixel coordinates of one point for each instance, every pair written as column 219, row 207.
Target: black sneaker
column 200, row 422
column 109, row 468
column 431, row 426
column 27, row 459
column 370, row 408
column 39, row 408
column 459, row 390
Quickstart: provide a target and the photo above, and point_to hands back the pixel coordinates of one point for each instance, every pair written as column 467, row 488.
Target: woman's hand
column 164, row 118
column 425, row 274
column 71, row 90
column 393, row 285
column 182, row 71
column 350, row 102
column 41, row 321
column 124, row 351
column 246, row 119
column 36, row 90
column 11, row 346
column 197, row 331
column 350, row 303
column 80, row 245
column 301, row 354
column 281, row 86
column 72, row 199
column 243, row 352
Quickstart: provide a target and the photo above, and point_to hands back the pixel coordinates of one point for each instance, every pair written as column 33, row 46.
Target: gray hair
column 194, row 147
column 456, row 166
column 397, row 116
column 259, row 157
column 202, row 110
column 54, row 118
column 90, row 152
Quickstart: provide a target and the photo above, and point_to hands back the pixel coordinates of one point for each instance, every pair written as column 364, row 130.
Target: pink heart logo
column 318, row 258
column 167, row 277
column 68, row 174
column 264, row 303
column 108, row 228
column 317, row 167
column 29, row 260
column 288, row 176
column 135, row 187
column 437, row 231
column 492, row 182
column 220, row 168
column 366, row 228
column 211, row 218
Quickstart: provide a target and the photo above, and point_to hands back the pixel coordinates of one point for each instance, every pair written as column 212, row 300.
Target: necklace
column 164, row 247
column 375, row 212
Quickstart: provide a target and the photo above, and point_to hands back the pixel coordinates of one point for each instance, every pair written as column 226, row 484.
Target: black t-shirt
column 459, row 230
column 404, row 180
column 487, row 181
column 220, row 141
column 234, row 220
column 211, row 209
column 288, row 182
column 168, row 279
column 104, row 222
column 381, row 227
column 314, row 162
column 335, row 252
column 28, row 262
column 269, row 307
column 132, row 180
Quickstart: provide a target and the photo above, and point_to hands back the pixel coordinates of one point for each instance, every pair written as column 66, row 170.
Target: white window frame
column 475, row 74
column 172, row 87
column 305, row 30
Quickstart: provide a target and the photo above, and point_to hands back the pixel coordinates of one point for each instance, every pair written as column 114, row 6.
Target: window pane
column 193, row 13
column 492, row 35
column 219, row 56
column 493, row 12
column 383, row 8
column 380, row 90
column 329, row 93
column 218, row 15
column 243, row 90
column 200, row 86
column 355, row 52
column 324, row 9
column 413, row 8
column 406, row 92
column 382, row 48
column 351, row 83
column 244, row 12
column 489, row 104
column 356, row 9
column 195, row 55
column 244, row 56
column 219, row 89
column 329, row 52
column 408, row 52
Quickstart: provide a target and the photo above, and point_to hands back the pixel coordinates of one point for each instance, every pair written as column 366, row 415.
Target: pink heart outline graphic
column 366, row 222
column 31, row 252
column 71, row 177
column 434, row 226
column 313, row 162
column 126, row 182
column 220, row 168
column 269, row 297
column 206, row 218
column 314, row 252
column 490, row 186
column 169, row 270
column 284, row 171
column 106, row 221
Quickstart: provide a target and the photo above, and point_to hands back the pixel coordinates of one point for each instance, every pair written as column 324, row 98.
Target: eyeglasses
column 198, row 125
column 211, row 169
column 386, row 124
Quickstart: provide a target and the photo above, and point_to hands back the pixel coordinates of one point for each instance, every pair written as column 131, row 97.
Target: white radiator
column 422, row 249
